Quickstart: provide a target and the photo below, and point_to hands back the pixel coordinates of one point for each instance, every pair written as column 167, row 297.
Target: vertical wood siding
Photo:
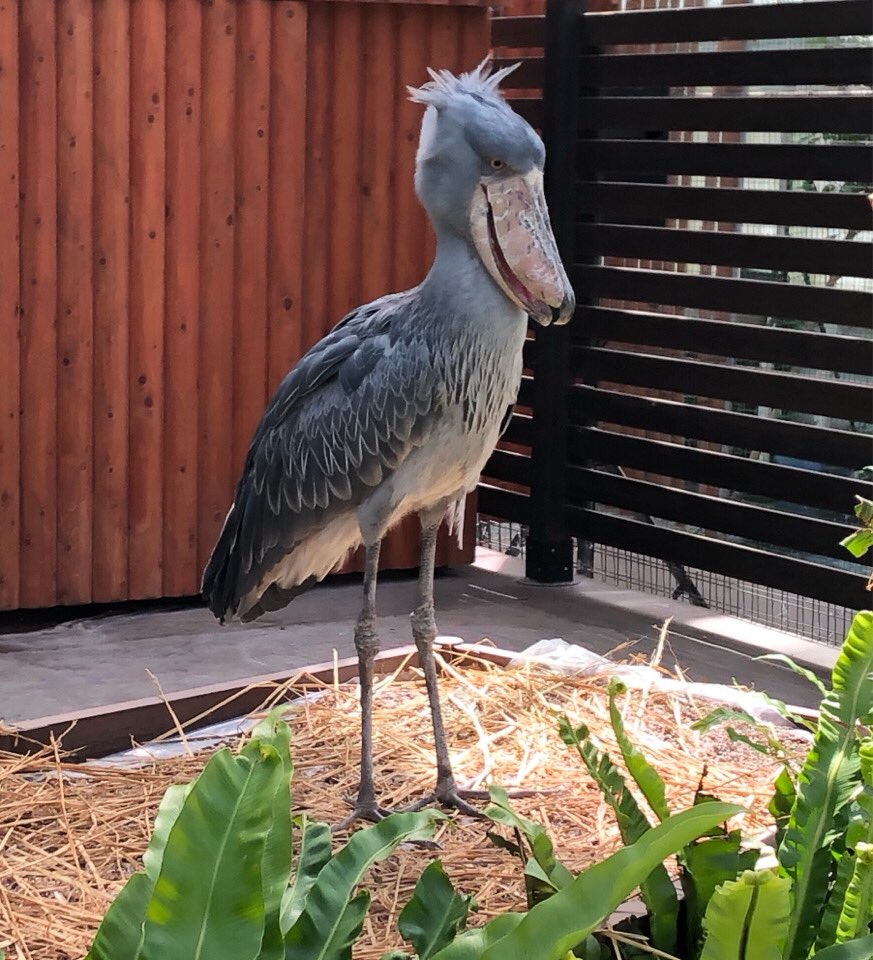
column 109, row 579
column 182, row 304
column 191, row 194
column 10, row 324
column 38, row 302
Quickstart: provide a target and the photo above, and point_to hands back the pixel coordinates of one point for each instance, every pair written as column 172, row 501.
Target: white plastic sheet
column 571, row 659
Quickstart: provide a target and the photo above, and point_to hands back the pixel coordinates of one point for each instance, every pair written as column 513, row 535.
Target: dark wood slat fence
column 718, row 375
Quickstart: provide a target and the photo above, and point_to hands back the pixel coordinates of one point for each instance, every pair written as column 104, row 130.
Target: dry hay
column 67, row 842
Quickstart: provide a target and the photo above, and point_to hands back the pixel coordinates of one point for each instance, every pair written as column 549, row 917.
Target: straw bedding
column 68, row 841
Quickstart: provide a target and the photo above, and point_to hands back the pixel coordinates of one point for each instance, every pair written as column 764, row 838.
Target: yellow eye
column 497, row 164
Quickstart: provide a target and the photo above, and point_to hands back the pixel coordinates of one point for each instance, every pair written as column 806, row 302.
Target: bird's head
column 479, row 175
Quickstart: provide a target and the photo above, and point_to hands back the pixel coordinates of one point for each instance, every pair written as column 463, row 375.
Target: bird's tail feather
column 276, row 597
column 219, row 586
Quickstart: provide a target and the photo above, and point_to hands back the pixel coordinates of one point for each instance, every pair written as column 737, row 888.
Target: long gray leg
column 367, row 646
column 424, row 631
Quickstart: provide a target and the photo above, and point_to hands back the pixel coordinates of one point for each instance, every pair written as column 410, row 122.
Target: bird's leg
column 367, row 646
column 424, row 631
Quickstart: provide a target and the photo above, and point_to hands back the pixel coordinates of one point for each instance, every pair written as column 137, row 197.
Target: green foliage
column 706, row 864
column 859, row 542
column 210, row 893
column 826, row 784
column 645, row 776
column 771, row 746
column 842, row 877
column 798, row 669
column 119, row 936
column 656, row 889
column 552, row 928
column 543, row 873
column 331, row 919
column 824, row 823
column 859, row 833
column 203, row 892
column 314, row 854
column 782, row 802
column 857, row 911
column 436, row 914
column 475, row 944
column 276, row 862
column 853, row 950
column 216, row 883
column 747, row 918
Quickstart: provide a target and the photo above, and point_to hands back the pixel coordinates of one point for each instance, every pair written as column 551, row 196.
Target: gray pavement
column 89, row 662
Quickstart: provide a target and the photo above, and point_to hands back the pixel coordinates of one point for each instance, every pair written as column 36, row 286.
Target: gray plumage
column 397, row 409
column 394, row 377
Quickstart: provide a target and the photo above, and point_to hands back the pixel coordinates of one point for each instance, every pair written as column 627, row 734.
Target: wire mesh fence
column 779, row 609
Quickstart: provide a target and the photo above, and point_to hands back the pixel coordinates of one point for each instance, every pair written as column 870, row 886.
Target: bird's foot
column 517, row 793
column 369, row 810
column 374, row 813
column 456, row 798
column 451, row 796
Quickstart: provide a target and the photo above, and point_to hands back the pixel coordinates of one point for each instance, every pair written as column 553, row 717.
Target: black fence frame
column 595, row 132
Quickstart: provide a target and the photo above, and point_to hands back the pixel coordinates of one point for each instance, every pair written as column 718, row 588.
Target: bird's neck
column 461, row 286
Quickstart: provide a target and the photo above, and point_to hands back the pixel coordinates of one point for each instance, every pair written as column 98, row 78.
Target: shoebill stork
column 398, row 408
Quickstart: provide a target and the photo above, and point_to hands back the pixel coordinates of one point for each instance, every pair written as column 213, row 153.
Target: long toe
column 454, row 799
column 450, row 797
column 366, row 811
column 514, row 794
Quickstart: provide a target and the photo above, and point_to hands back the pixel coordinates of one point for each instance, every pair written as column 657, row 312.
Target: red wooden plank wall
column 191, row 194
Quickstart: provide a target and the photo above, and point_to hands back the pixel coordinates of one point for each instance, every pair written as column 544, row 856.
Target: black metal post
column 549, row 545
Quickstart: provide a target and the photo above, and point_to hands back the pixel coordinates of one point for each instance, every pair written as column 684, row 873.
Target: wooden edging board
column 109, row 728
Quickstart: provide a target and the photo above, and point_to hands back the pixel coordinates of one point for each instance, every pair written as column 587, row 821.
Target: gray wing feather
column 341, row 421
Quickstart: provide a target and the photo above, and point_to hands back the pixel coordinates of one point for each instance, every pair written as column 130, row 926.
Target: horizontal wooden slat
column 829, row 66
column 733, row 560
column 808, row 114
column 779, row 161
column 820, row 114
column 785, row 391
column 834, row 65
column 793, row 254
column 740, row 22
column 840, row 448
column 781, row 482
column 745, row 341
column 531, row 108
column 640, row 230
column 755, row 523
column 529, row 74
column 494, row 502
column 752, row 297
column 518, row 32
column 520, row 430
column 632, row 201
column 508, row 465
column 525, row 391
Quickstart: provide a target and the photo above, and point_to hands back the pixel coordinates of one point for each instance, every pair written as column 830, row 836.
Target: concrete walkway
column 86, row 663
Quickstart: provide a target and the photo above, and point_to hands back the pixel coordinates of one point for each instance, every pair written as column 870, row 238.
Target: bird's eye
column 497, row 164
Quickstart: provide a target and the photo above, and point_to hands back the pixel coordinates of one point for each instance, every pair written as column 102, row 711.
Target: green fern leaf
column 657, row 891
column 825, row 785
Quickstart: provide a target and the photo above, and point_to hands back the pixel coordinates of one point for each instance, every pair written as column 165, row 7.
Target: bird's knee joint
column 424, row 623
column 366, row 638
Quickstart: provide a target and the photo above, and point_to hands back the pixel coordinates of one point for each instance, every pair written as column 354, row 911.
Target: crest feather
column 443, row 85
